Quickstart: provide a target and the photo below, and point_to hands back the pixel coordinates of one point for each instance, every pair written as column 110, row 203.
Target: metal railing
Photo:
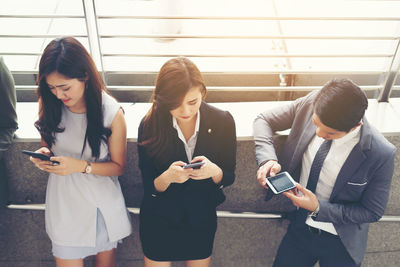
column 391, row 76
column 269, row 37
column 220, row 214
column 94, row 37
column 272, row 18
column 249, row 55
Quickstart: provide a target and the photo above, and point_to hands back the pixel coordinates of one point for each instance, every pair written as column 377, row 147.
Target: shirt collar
column 353, row 134
column 197, row 127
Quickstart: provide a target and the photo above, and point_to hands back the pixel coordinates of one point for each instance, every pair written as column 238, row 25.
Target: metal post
column 93, row 34
column 391, row 76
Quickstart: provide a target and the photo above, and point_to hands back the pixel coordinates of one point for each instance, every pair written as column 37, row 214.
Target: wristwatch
column 88, row 168
column 314, row 214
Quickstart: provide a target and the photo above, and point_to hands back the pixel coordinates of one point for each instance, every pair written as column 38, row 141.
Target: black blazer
column 194, row 201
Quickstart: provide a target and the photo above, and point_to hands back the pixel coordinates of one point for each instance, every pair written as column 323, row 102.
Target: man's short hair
column 340, row 104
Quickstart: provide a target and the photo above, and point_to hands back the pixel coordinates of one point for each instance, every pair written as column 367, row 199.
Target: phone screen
column 281, row 182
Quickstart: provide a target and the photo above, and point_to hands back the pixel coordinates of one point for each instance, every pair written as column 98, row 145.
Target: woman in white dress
column 83, row 128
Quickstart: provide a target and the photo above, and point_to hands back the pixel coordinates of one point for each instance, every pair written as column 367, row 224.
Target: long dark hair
column 68, row 57
column 176, row 77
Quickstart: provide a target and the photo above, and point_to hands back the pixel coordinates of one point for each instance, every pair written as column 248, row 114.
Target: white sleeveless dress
column 83, row 209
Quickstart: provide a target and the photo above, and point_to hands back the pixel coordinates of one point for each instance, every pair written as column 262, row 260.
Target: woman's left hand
column 209, row 169
column 67, row 166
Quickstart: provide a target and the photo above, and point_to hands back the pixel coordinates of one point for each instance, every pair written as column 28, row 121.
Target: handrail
column 247, row 56
column 39, row 36
column 222, row 56
column 286, row 37
column 222, row 214
column 274, row 18
column 271, row 71
column 54, row 16
column 19, row 54
column 195, row 36
column 220, row 88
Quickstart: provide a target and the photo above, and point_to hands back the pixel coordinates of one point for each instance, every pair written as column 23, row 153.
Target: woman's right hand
column 41, row 164
column 174, row 174
column 177, row 174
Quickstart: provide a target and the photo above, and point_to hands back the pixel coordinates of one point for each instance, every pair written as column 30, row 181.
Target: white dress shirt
column 331, row 167
column 191, row 143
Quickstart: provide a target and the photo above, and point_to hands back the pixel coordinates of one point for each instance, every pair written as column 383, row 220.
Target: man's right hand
column 270, row 168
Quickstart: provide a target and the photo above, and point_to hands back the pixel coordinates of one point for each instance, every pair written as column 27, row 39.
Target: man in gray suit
column 344, row 167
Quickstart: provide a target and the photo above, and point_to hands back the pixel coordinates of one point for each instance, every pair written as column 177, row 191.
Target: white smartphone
column 281, row 182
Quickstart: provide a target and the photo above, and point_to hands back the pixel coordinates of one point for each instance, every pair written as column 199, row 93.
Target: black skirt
column 164, row 241
column 178, row 227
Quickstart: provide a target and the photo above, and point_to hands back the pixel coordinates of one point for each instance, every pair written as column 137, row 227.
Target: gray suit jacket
column 362, row 187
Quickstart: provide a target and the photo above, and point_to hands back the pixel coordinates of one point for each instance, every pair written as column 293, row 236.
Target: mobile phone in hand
column 194, row 165
column 39, row 156
column 281, row 182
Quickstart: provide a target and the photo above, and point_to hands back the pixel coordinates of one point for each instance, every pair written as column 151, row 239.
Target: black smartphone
column 194, row 165
column 39, row 156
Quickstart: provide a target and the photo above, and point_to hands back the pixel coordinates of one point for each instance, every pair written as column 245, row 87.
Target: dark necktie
column 314, row 176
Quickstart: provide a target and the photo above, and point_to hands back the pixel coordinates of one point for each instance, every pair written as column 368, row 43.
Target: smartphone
column 39, row 156
column 281, row 182
column 194, row 165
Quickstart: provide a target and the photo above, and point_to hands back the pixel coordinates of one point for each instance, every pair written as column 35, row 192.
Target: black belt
column 317, row 231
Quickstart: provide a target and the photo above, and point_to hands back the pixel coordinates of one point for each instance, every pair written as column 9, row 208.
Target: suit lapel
column 355, row 159
column 350, row 166
column 304, row 140
column 178, row 147
column 204, row 131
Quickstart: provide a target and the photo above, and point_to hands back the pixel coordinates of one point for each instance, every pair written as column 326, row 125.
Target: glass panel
column 338, row 8
column 37, row 26
column 256, row 27
column 206, row 64
column 185, row 7
column 340, row 28
column 41, row 7
column 219, row 27
column 26, row 45
column 187, row 46
column 32, row 26
column 340, row 64
column 21, row 63
column 192, row 27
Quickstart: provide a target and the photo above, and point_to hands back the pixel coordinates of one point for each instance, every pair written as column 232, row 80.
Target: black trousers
column 304, row 246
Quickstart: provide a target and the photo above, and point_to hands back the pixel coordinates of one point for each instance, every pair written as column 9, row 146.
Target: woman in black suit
column 178, row 212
